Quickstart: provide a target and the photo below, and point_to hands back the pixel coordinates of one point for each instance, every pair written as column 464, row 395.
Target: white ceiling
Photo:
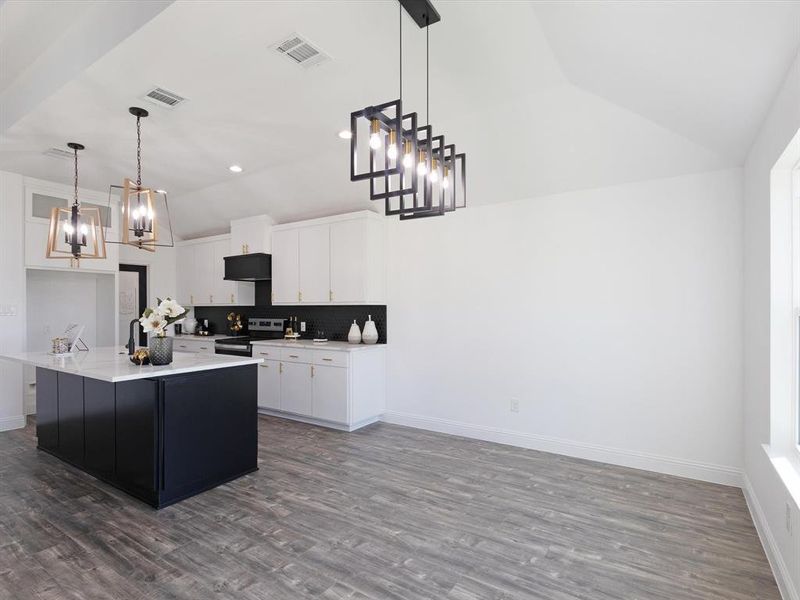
column 543, row 97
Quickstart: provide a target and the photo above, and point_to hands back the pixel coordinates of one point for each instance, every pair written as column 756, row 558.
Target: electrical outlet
column 515, row 405
column 302, row 326
column 789, row 518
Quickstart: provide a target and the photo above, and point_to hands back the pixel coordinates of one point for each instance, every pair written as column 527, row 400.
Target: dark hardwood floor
column 384, row 513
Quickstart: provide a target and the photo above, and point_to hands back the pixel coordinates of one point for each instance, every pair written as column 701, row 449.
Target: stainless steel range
column 259, row 328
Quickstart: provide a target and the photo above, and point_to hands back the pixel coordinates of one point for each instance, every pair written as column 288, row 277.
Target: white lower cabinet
column 196, row 345
column 334, row 388
column 296, row 388
column 269, row 384
column 330, row 393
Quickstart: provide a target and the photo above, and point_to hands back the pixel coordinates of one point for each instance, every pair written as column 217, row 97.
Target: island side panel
column 210, row 430
column 47, row 409
column 70, row 418
column 99, row 406
column 136, row 428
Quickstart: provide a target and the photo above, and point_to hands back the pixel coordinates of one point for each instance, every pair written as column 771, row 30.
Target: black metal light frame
column 403, row 196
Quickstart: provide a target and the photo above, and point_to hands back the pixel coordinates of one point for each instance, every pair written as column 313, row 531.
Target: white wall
column 766, row 493
column 57, row 298
column 12, row 293
column 613, row 315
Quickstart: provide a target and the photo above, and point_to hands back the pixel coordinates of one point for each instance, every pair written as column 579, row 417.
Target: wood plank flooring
column 384, row 513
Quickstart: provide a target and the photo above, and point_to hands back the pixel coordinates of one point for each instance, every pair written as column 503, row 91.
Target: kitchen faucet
column 131, row 340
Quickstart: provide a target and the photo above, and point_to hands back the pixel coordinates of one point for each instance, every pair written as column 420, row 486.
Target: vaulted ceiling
column 545, row 97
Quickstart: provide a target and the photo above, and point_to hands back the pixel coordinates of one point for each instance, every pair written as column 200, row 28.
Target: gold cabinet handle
column 293, row 356
column 330, row 295
column 264, row 353
column 203, row 347
column 191, row 299
column 280, row 367
column 263, row 366
column 243, row 249
column 328, row 359
column 312, row 370
column 299, row 296
column 232, row 300
column 247, row 248
column 211, row 298
column 181, row 345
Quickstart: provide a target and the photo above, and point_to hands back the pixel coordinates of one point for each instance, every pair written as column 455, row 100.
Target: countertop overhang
column 113, row 365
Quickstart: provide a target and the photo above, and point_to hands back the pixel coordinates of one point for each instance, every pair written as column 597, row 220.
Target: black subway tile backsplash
column 334, row 320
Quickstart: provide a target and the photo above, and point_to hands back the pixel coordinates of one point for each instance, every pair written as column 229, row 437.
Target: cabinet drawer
column 199, row 346
column 266, row 352
column 298, row 355
column 331, row 358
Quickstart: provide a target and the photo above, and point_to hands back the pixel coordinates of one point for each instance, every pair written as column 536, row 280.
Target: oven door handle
column 237, row 347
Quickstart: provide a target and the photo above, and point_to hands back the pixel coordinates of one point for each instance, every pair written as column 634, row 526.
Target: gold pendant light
column 76, row 232
column 140, row 222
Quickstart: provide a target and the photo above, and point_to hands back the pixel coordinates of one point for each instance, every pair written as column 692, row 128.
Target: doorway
column 132, row 299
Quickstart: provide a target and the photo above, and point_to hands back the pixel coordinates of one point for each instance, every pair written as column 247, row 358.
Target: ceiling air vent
column 163, row 98
column 300, row 51
column 59, row 153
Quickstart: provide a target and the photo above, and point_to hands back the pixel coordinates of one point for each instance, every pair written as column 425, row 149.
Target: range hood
column 249, row 267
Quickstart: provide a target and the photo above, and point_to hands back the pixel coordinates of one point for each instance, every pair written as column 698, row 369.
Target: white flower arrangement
column 166, row 313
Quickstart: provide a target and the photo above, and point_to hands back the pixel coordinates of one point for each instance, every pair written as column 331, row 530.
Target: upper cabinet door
column 348, row 247
column 285, row 267
column 315, row 264
column 224, row 291
column 187, row 284
column 203, row 274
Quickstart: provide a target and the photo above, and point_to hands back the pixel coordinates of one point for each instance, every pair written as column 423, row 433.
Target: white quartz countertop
column 202, row 338
column 113, row 364
column 308, row 344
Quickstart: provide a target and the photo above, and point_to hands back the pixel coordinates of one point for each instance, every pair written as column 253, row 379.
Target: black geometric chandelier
column 413, row 171
column 140, row 215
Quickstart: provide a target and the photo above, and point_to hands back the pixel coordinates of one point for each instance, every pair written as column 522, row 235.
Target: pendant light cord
column 75, row 201
column 138, row 152
column 400, row 7
column 427, row 71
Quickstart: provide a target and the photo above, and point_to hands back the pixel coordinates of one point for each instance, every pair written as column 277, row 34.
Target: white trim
column 319, row 422
column 779, row 568
column 360, row 214
column 9, row 423
column 680, row 467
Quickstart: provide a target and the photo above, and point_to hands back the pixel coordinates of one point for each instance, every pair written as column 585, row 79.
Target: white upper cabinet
column 348, row 256
column 336, row 260
column 313, row 245
column 201, row 275
column 40, row 198
column 285, row 267
column 251, row 235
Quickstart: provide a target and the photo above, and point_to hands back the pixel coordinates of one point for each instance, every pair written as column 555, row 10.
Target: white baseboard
column 722, row 474
column 779, row 568
column 9, row 423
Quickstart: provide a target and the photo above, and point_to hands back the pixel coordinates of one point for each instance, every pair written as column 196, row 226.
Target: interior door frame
column 142, row 271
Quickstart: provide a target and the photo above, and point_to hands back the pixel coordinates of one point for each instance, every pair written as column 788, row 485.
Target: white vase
column 354, row 337
column 370, row 335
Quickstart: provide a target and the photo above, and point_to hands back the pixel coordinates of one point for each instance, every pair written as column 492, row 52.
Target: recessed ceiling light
column 235, row 168
column 345, row 134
